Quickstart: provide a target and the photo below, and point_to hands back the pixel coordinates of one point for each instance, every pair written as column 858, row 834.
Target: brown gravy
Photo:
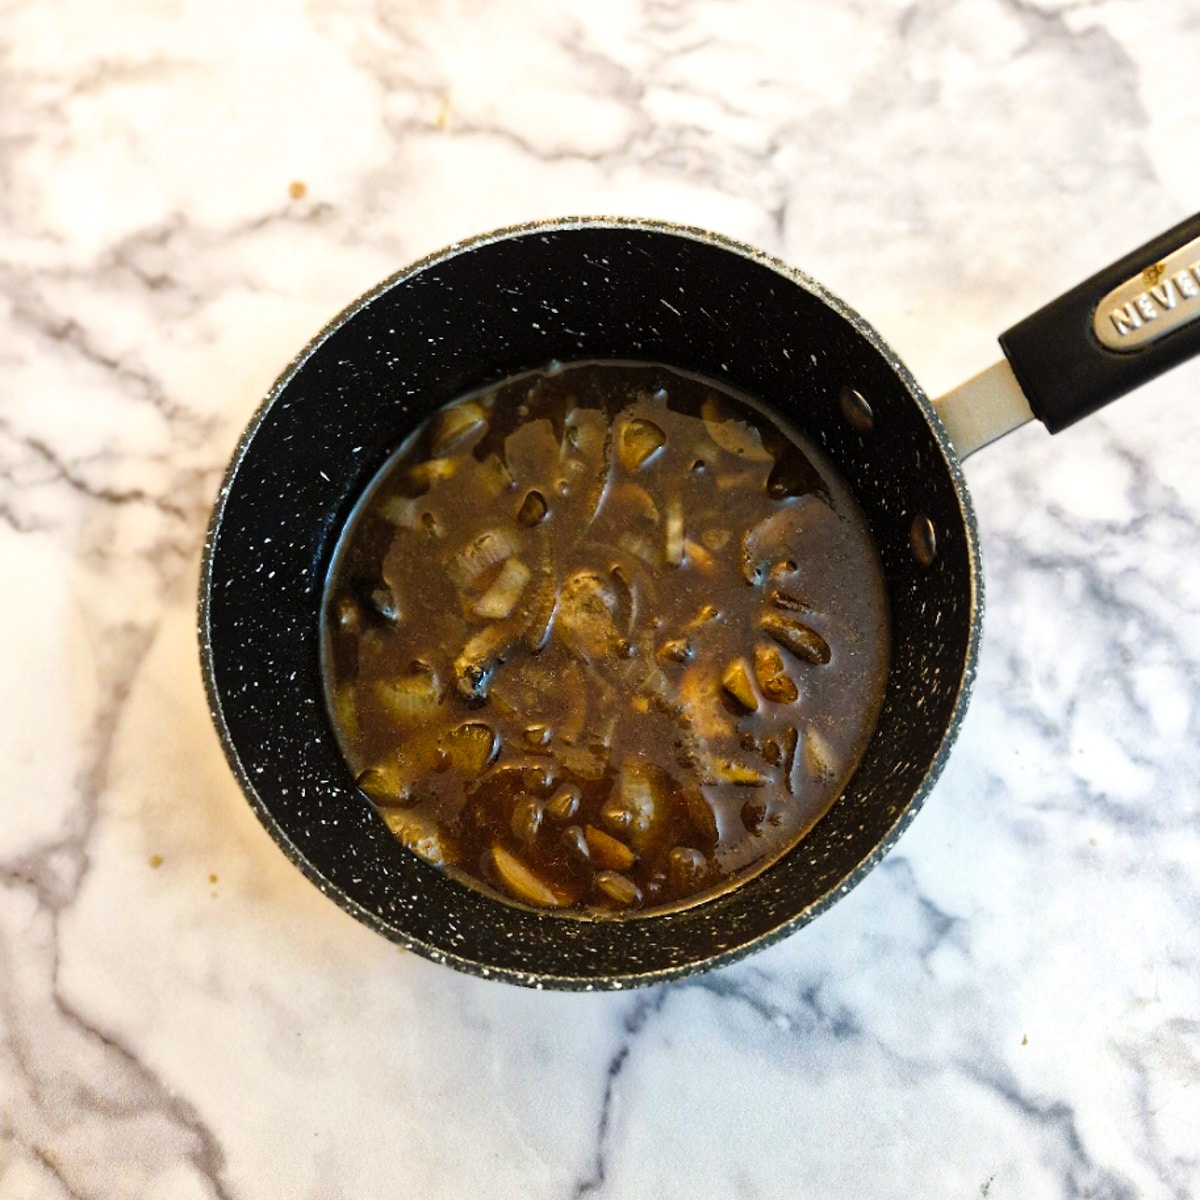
column 604, row 638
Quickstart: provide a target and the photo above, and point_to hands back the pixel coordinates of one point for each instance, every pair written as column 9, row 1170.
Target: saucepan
column 583, row 289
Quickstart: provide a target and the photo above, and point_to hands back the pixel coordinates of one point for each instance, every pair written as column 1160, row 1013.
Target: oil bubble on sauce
column 604, row 639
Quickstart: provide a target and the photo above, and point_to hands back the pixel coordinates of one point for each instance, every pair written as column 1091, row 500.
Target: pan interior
column 478, row 314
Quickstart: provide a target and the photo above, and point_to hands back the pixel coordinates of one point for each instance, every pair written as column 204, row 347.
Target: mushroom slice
column 607, row 851
column 819, row 757
column 471, row 748
column 564, row 804
column 794, row 636
column 620, row 889
column 729, row 770
column 418, row 834
column 788, row 602
column 686, row 870
column 639, row 804
column 387, row 785
column 736, row 681
column 523, row 884
column 478, row 659
column 773, row 680
column 753, row 814
column 537, row 737
column 700, row 705
column 638, row 442
column 734, row 436
column 587, row 617
column 677, row 650
column 703, row 818
column 455, row 424
column 527, row 819
column 574, row 840
column 384, row 604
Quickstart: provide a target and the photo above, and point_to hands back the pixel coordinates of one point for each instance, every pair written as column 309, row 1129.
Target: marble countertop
column 1009, row 1006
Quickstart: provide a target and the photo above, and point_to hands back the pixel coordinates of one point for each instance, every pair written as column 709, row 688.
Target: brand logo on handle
column 1164, row 296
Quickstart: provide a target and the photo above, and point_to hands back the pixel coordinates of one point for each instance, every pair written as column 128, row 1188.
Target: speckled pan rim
column 633, row 978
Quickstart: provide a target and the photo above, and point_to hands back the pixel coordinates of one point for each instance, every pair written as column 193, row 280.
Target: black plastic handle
column 1058, row 357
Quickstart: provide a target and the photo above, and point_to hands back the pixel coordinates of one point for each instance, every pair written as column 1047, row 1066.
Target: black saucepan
column 584, row 289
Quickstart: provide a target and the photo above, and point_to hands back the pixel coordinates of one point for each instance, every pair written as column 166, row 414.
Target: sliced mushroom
column 819, row 757
column 733, row 435
column 527, row 818
column 638, row 442
column 677, row 650
column 523, row 884
column 609, row 852
column 773, row 680
column 564, row 804
column 574, row 840
column 471, row 748
column 418, row 833
column 384, row 604
column 639, row 804
column 587, row 617
column 387, row 785
column 475, row 663
column 620, row 889
column 794, row 636
column 686, row 870
column 701, row 815
column 736, row 681
column 455, row 424
column 729, row 770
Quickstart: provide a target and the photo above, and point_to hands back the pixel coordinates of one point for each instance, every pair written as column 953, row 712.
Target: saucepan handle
column 1119, row 329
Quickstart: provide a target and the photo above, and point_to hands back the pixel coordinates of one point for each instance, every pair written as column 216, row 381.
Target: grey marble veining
column 1009, row 1006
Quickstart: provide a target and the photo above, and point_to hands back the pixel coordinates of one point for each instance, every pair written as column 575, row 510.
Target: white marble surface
column 1008, row 1007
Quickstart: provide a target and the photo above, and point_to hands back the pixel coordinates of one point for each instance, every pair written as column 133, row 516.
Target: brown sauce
column 604, row 638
